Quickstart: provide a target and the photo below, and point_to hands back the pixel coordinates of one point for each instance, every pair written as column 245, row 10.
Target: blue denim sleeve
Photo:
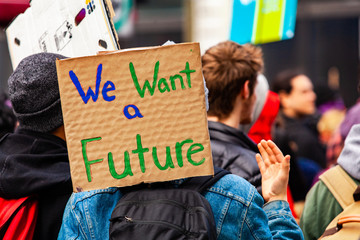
column 70, row 226
column 281, row 222
column 87, row 214
column 240, row 213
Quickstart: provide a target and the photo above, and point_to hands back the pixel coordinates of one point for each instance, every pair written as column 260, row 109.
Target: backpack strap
column 201, row 183
column 8, row 208
column 340, row 184
column 351, row 214
column 18, row 218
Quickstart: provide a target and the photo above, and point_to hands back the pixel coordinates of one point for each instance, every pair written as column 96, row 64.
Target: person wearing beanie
column 34, row 159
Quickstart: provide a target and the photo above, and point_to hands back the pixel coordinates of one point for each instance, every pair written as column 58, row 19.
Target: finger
column 260, row 163
column 262, row 148
column 285, row 164
column 276, row 151
column 285, row 168
column 269, row 152
column 263, row 153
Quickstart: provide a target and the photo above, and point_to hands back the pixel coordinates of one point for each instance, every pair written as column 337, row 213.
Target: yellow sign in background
column 135, row 116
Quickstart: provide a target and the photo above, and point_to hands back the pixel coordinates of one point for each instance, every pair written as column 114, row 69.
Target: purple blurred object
column 352, row 117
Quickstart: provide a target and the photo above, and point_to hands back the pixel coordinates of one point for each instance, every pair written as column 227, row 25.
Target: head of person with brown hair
column 230, row 72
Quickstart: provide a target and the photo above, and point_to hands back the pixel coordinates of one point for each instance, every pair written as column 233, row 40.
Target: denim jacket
column 238, row 211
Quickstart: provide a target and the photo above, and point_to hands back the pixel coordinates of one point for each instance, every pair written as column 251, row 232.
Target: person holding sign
column 230, row 72
column 34, row 160
column 238, row 209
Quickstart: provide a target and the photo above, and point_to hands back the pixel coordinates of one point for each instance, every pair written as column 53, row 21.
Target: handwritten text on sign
column 146, row 130
column 109, row 86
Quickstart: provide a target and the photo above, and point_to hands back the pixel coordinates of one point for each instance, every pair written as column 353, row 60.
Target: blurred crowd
column 307, row 121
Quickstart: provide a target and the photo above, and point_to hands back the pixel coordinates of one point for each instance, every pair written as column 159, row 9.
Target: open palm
column 274, row 168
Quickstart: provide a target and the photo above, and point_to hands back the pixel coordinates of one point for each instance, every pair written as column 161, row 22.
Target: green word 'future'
column 140, row 151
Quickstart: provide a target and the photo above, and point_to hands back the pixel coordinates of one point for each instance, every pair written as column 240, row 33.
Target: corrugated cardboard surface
column 50, row 26
column 168, row 118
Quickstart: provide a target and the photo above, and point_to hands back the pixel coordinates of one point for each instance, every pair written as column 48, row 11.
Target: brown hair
column 226, row 67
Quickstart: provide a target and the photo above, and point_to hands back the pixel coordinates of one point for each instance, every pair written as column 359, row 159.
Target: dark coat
column 302, row 136
column 299, row 139
column 234, row 151
column 36, row 164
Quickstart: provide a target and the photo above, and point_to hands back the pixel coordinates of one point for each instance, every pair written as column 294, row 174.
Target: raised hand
column 274, row 168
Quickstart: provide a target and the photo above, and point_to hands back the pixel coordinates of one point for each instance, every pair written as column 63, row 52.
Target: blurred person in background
column 296, row 131
column 34, row 159
column 335, row 144
column 352, row 117
column 328, row 98
column 266, row 108
column 8, row 120
column 330, row 105
column 263, row 117
column 230, row 71
column 321, row 207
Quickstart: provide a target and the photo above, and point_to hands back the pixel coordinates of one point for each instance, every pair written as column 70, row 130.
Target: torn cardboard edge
column 167, row 43
column 103, row 53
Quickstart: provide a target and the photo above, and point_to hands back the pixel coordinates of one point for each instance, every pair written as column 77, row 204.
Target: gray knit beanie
column 34, row 93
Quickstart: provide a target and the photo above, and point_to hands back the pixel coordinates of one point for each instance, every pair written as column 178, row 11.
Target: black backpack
column 161, row 211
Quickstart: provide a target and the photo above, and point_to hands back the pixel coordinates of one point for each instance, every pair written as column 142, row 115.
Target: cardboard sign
column 262, row 21
column 135, row 116
column 72, row 28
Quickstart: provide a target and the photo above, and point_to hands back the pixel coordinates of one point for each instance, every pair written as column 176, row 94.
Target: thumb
column 286, row 163
column 285, row 167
